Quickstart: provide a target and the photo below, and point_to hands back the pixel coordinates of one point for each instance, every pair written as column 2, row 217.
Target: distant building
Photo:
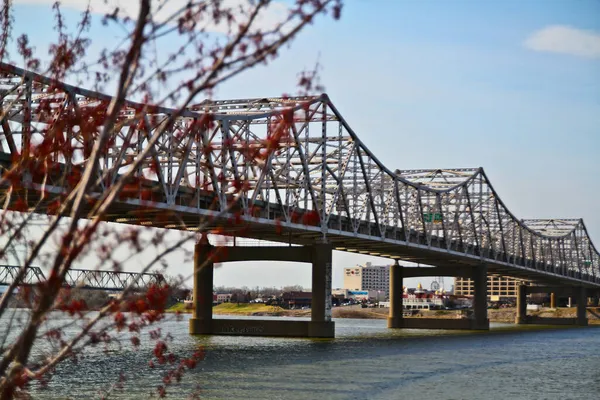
column 499, row 287
column 342, row 293
column 359, row 295
column 421, row 299
column 297, row 299
column 368, row 278
column 223, row 298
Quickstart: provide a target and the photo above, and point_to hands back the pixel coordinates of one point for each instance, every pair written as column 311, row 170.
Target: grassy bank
column 236, row 309
column 179, row 307
column 247, row 309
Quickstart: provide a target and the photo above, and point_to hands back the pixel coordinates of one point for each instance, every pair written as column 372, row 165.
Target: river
column 365, row 361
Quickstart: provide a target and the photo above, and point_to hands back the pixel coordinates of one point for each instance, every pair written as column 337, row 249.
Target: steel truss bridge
column 84, row 278
column 319, row 182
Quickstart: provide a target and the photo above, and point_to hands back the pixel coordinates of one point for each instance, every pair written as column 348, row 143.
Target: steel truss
column 296, row 172
column 84, row 278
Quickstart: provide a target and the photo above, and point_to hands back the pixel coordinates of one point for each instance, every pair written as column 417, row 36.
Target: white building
column 420, row 299
column 369, row 278
column 223, row 298
column 374, row 295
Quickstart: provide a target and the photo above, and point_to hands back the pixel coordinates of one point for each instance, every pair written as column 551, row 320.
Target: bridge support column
column 320, row 317
column 395, row 319
column 318, row 255
column 202, row 321
column 521, row 317
column 581, row 306
column 480, row 298
column 552, row 300
column 579, row 294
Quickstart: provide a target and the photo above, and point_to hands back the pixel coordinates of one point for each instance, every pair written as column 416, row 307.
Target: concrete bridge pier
column 577, row 293
column 479, row 319
column 552, row 300
column 582, row 306
column 320, row 312
column 320, row 325
column 395, row 319
column 521, row 317
column 201, row 321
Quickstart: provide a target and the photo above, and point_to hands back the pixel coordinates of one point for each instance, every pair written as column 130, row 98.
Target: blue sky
column 513, row 86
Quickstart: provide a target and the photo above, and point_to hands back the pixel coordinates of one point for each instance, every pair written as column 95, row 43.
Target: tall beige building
column 368, row 277
column 498, row 287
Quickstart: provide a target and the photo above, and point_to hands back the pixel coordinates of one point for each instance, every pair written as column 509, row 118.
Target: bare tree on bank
column 65, row 138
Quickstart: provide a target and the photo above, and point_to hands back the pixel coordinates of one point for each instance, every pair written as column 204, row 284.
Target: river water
column 365, row 361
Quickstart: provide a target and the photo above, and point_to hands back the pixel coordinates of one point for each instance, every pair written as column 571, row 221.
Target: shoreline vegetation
column 495, row 315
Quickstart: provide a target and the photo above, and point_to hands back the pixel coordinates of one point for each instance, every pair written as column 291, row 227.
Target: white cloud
column 565, row 40
column 269, row 17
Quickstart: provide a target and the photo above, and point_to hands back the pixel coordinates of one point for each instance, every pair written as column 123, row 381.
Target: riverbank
column 495, row 315
column 257, row 310
column 244, row 309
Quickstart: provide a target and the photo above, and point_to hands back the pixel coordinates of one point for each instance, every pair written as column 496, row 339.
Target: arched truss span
column 319, row 182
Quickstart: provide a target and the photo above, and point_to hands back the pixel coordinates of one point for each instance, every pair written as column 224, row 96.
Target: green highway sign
column 436, row 218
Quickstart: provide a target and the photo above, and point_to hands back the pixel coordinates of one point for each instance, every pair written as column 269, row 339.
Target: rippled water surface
column 365, row 361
